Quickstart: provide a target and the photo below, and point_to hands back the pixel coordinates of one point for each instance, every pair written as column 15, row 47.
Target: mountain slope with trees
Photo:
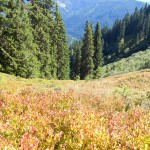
column 87, row 54
column 33, row 41
column 76, row 12
column 127, row 36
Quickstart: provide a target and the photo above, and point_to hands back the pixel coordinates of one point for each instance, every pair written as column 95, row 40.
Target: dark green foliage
column 29, row 47
column 75, row 55
column 42, row 23
column 34, row 44
column 147, row 31
column 62, row 58
column 98, row 47
column 87, row 54
column 87, row 64
column 17, row 48
column 127, row 36
column 77, row 64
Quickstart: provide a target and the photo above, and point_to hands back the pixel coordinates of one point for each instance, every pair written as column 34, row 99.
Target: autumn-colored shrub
column 80, row 115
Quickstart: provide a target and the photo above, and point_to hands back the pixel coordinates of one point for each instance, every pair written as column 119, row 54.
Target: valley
column 85, row 86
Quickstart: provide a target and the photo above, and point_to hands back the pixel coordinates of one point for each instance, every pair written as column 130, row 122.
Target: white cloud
column 60, row 4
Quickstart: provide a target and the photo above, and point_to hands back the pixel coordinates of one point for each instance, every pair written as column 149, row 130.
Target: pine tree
column 7, row 50
column 120, row 44
column 122, row 30
column 28, row 65
column 60, row 41
column 77, row 59
column 115, row 30
column 147, row 25
column 147, row 32
column 41, row 16
column 87, row 64
column 71, row 52
column 98, row 45
column 17, row 49
column 127, row 20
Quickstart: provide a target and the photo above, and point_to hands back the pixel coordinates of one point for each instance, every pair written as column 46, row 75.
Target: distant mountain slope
column 75, row 12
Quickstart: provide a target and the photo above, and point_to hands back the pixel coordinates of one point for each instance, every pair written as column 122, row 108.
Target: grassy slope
column 112, row 113
column 137, row 61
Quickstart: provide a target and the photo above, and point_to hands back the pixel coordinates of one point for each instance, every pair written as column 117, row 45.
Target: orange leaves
column 88, row 116
column 29, row 142
column 1, row 103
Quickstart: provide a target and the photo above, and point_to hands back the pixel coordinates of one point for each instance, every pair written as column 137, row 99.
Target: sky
column 145, row 1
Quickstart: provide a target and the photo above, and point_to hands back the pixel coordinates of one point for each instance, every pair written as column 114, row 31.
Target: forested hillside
column 75, row 12
column 33, row 40
column 127, row 36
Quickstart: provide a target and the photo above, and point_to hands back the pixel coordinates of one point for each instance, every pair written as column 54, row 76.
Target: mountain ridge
column 104, row 11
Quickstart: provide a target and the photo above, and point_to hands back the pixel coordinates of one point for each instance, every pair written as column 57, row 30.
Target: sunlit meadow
column 107, row 114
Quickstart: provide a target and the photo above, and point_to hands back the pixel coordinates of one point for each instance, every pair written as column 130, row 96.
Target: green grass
column 135, row 62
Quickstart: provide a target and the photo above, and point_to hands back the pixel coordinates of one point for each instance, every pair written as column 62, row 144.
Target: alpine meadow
column 74, row 75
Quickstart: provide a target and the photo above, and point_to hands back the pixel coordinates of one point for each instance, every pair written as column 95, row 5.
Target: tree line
column 108, row 45
column 127, row 35
column 33, row 40
column 87, row 54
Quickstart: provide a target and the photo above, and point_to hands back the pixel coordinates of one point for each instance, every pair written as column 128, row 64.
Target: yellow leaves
column 89, row 116
column 146, row 147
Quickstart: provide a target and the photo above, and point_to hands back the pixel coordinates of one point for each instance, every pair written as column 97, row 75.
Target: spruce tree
column 63, row 62
column 98, row 47
column 41, row 16
column 122, row 30
column 147, row 32
column 17, row 49
column 120, row 44
column 146, row 25
column 77, row 58
column 87, row 64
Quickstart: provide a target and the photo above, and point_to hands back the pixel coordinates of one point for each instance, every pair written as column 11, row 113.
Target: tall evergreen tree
column 147, row 32
column 127, row 20
column 122, row 30
column 77, row 58
column 87, row 64
column 41, row 16
column 17, row 49
column 60, row 41
column 115, row 30
column 120, row 43
column 98, row 45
